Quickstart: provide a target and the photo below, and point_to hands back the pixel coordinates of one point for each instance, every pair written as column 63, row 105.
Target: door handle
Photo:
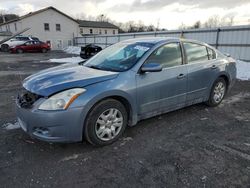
column 181, row 76
column 214, row 67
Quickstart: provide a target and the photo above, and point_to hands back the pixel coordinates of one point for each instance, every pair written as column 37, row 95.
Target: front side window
column 58, row 27
column 195, row 52
column 29, row 43
column 46, row 26
column 168, row 55
column 119, row 57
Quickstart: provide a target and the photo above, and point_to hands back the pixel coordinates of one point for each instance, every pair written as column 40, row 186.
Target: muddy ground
column 193, row 147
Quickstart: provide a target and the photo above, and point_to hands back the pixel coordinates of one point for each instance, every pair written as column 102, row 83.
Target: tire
column 19, row 51
column 44, row 50
column 104, row 125
column 4, row 47
column 217, row 93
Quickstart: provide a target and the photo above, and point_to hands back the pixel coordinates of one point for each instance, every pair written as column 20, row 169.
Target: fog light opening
column 42, row 131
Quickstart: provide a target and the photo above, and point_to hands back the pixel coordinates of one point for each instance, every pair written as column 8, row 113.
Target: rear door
column 202, row 69
column 158, row 92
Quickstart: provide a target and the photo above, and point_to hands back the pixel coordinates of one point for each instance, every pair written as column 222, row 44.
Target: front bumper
column 52, row 126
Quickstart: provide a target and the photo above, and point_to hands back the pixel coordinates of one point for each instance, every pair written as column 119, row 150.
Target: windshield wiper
column 95, row 67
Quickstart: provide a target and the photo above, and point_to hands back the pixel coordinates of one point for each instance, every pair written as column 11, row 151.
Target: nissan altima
column 127, row 82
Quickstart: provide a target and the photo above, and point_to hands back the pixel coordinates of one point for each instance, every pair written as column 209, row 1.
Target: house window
column 113, row 32
column 81, row 30
column 106, row 32
column 15, row 26
column 100, row 31
column 91, row 31
column 46, row 26
column 58, row 27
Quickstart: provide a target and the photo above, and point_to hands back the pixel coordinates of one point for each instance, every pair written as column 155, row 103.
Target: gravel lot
column 194, row 147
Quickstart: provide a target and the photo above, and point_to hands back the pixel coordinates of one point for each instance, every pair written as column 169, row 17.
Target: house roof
column 37, row 12
column 96, row 24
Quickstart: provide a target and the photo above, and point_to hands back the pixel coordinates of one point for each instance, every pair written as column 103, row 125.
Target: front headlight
column 62, row 100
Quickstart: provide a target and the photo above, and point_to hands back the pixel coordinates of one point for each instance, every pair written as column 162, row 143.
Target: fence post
column 182, row 34
column 217, row 38
column 106, row 41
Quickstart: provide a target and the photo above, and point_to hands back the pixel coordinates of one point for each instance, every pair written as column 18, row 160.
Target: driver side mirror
column 151, row 67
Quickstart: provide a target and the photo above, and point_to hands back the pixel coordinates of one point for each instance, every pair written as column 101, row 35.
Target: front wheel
column 217, row 93
column 106, row 122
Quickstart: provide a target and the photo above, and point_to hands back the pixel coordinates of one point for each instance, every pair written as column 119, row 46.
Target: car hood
column 53, row 80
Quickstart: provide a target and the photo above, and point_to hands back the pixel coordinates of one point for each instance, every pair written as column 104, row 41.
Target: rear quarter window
column 195, row 52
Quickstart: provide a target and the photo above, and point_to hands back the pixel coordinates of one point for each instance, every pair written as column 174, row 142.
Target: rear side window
column 195, row 52
column 211, row 53
column 168, row 55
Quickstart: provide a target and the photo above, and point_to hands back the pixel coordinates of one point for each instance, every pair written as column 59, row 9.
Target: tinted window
column 195, row 52
column 211, row 53
column 168, row 55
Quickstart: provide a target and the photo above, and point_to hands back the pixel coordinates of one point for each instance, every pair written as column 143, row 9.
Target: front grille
column 26, row 99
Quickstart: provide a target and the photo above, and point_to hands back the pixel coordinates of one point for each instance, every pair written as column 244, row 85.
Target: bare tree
column 102, row 18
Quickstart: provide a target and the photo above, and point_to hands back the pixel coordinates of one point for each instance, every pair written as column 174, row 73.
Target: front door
column 159, row 92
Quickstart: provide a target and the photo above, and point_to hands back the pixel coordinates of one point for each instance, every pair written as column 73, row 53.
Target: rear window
column 195, row 52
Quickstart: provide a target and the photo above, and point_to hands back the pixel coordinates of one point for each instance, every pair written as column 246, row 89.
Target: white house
column 97, row 28
column 48, row 24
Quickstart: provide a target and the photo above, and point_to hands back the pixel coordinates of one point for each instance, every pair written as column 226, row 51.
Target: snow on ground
column 66, row 60
column 72, row 50
column 243, row 70
column 10, row 126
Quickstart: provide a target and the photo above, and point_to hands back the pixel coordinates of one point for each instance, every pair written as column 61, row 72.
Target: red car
column 31, row 46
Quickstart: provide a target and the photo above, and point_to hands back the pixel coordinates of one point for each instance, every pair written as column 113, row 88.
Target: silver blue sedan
column 121, row 85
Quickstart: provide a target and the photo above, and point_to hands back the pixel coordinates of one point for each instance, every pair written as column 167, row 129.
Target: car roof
column 156, row 40
column 153, row 40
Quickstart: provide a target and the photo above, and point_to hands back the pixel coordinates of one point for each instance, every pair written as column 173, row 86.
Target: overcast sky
column 168, row 13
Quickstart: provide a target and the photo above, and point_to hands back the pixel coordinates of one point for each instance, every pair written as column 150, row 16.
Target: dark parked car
column 121, row 85
column 89, row 50
column 31, row 46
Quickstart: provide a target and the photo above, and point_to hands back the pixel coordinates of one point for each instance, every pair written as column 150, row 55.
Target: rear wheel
column 218, row 92
column 19, row 51
column 106, row 122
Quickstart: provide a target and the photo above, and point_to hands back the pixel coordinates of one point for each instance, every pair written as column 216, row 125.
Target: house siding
column 69, row 28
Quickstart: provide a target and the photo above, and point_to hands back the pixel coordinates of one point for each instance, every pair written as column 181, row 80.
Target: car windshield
column 119, row 57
